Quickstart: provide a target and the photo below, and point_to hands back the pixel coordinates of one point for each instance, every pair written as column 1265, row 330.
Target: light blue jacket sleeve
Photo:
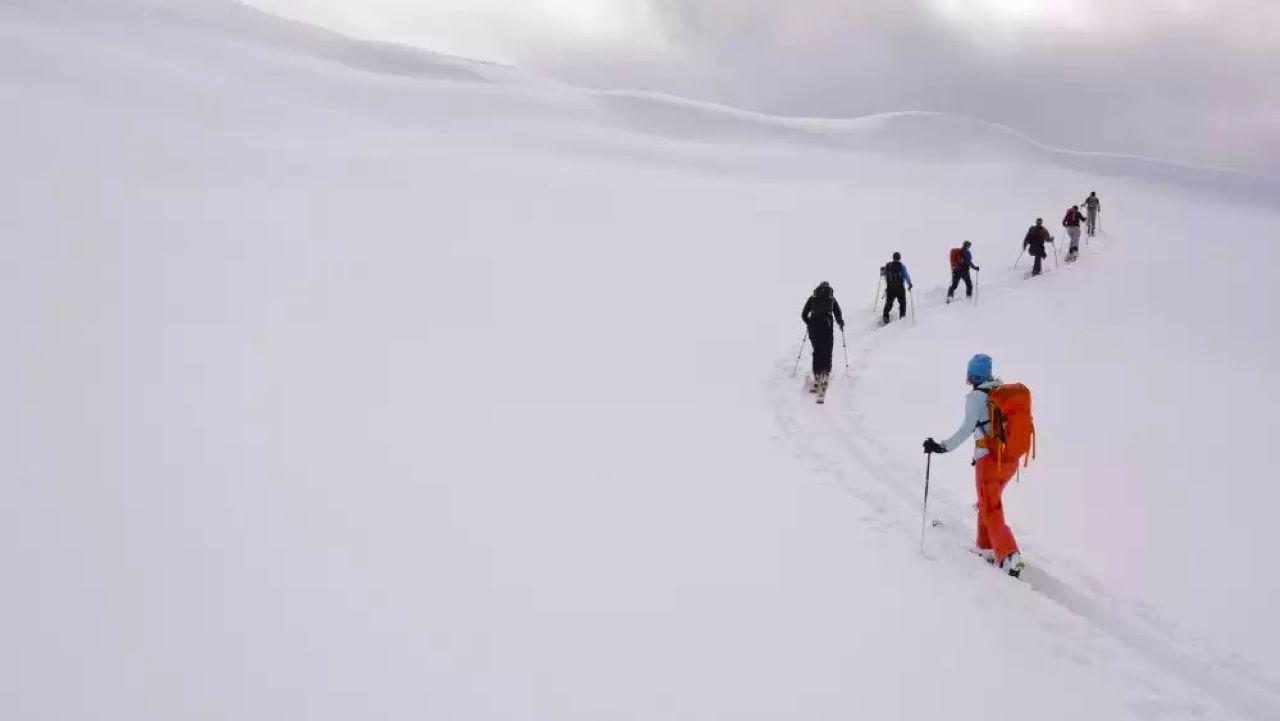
column 975, row 411
column 906, row 276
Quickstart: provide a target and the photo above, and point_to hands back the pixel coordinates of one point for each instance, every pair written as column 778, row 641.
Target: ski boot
column 1012, row 564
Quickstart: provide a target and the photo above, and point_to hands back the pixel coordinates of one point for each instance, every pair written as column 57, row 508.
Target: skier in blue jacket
column 896, row 283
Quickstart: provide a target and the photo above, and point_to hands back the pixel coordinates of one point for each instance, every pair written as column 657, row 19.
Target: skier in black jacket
column 817, row 315
column 1037, row 236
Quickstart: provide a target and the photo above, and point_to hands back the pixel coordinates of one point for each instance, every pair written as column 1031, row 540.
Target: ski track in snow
column 837, row 442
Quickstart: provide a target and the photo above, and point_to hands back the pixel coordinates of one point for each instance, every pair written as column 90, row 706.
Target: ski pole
column 912, row 294
column 924, row 509
column 803, row 338
column 1019, row 260
column 976, row 286
column 1055, row 253
column 846, row 353
column 876, row 301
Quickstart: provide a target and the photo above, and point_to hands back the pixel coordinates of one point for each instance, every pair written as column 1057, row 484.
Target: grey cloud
column 1199, row 87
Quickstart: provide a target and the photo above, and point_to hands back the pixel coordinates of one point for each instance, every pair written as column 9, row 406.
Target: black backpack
column 893, row 274
column 820, row 307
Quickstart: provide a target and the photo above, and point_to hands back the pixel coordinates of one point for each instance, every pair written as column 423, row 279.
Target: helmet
column 897, row 256
column 966, row 244
column 823, row 290
column 979, row 370
column 1039, row 221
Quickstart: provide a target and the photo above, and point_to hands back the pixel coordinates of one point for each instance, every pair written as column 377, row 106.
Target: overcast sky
column 1192, row 80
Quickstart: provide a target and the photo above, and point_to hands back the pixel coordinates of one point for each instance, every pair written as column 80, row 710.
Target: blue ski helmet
column 979, row 370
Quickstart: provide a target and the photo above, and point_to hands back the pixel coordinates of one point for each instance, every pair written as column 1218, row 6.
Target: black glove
column 977, row 268
column 842, row 327
column 932, row 446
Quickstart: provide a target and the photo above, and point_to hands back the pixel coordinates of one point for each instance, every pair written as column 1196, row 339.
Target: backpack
column 955, row 258
column 820, row 308
column 893, row 274
column 1012, row 433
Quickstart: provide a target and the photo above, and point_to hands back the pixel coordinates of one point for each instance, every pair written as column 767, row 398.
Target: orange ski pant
column 993, row 532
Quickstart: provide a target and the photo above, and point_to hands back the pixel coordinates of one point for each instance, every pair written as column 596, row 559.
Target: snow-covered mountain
column 345, row 380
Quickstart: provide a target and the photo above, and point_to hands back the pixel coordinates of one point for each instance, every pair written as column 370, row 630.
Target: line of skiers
column 1037, row 236
column 897, row 279
column 997, row 415
column 821, row 313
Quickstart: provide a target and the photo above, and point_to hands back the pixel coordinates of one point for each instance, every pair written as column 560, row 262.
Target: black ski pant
column 1035, row 268
column 958, row 275
column 898, row 294
column 822, row 336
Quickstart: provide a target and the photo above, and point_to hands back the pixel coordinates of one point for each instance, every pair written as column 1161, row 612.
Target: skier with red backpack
column 998, row 416
column 1072, row 222
column 961, row 262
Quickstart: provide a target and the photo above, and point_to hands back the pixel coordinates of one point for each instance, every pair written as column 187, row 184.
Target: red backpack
column 1012, row 433
column 955, row 258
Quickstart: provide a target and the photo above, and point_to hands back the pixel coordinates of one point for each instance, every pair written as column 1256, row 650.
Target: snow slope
column 349, row 381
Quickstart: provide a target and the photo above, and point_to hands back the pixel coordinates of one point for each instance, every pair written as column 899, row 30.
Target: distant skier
column 998, row 416
column 818, row 313
column 1072, row 223
column 1092, row 207
column 1037, row 236
column 896, row 283
column 961, row 262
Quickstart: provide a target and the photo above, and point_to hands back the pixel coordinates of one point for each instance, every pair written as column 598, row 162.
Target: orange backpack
column 1012, row 433
column 955, row 258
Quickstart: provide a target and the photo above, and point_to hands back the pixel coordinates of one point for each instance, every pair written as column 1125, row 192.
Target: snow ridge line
column 827, row 438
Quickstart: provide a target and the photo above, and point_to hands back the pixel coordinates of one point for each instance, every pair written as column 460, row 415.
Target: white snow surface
column 348, row 381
